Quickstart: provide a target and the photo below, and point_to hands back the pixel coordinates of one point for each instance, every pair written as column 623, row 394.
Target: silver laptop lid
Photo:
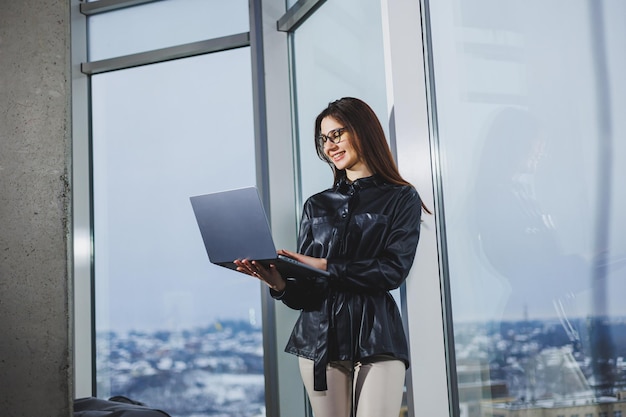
column 233, row 225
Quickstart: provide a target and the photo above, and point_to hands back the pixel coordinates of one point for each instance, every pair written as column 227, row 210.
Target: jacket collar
column 344, row 184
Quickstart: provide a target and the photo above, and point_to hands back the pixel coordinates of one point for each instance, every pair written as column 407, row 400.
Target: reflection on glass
column 172, row 330
column 532, row 204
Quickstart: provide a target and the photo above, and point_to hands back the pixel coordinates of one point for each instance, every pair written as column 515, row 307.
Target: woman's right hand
column 270, row 275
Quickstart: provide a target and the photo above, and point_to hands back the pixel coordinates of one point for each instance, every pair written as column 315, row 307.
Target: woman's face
column 342, row 154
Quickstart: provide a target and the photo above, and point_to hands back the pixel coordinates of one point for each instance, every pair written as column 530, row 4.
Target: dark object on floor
column 122, row 399
column 117, row 406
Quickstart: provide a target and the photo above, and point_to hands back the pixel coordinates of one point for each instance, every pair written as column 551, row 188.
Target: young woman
column 364, row 230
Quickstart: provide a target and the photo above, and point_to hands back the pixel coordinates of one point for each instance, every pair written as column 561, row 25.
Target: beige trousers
column 378, row 386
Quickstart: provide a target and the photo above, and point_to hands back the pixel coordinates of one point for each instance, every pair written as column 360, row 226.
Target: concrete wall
column 35, row 330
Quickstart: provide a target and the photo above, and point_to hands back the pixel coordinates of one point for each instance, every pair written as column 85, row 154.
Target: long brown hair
column 368, row 139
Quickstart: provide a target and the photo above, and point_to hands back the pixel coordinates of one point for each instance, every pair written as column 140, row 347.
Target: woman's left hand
column 319, row 263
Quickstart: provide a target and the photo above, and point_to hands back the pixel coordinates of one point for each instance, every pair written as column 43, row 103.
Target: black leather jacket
column 368, row 232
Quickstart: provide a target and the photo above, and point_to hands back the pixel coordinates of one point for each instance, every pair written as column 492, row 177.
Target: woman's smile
column 338, row 155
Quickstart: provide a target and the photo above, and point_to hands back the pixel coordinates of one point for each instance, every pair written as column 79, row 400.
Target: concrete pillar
column 35, row 143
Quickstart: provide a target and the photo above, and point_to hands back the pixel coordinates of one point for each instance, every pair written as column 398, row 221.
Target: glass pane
column 529, row 103
column 173, row 331
column 338, row 52
column 162, row 24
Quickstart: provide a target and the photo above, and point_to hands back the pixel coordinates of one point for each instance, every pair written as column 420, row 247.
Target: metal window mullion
column 239, row 40
column 297, row 14
column 102, row 6
column 424, row 293
column 270, row 347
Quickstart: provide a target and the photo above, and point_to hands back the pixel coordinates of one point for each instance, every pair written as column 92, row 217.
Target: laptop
column 233, row 225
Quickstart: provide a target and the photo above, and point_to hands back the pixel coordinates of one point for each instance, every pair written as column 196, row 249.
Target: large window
column 172, row 330
column 526, row 104
column 529, row 101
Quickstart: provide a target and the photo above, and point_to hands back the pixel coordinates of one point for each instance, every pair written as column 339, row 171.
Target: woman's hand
column 270, row 276
column 319, row 263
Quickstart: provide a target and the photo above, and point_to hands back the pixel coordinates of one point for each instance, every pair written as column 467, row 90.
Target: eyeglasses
column 334, row 136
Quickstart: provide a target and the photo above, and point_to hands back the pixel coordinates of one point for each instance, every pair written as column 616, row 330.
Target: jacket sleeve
column 389, row 269
column 303, row 294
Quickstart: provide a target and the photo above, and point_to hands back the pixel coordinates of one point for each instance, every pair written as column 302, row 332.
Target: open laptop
column 233, row 225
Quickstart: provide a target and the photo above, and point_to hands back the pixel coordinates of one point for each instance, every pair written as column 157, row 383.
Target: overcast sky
column 160, row 138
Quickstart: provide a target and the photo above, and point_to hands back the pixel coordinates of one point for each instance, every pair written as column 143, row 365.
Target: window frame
column 82, row 222
column 412, row 132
